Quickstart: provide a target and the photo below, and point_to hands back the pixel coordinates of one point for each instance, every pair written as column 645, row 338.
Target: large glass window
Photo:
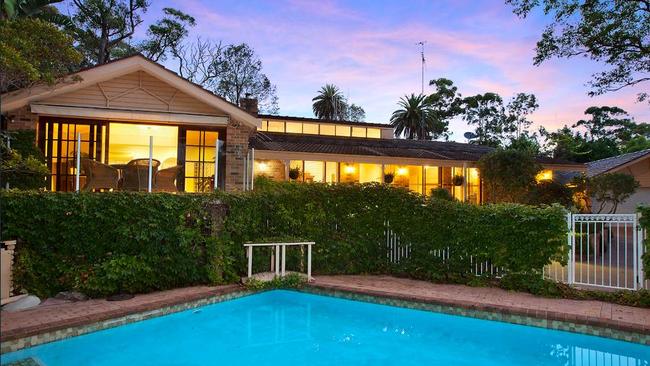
column 313, row 171
column 373, row 133
column 349, row 173
column 128, row 142
column 369, row 173
column 431, row 178
column 328, row 130
column 342, row 130
column 200, row 150
column 310, row 128
column 407, row 176
column 293, row 127
column 275, row 126
column 358, row 132
column 473, row 186
column 331, row 171
column 59, row 141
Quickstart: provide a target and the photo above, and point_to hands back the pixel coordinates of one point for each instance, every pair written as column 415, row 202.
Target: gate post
column 640, row 236
column 571, row 260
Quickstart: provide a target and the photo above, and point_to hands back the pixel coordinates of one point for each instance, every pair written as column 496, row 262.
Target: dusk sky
column 368, row 49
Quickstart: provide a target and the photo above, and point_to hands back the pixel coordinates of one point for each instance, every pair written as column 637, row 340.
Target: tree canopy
column 330, row 103
column 414, row 119
column 616, row 33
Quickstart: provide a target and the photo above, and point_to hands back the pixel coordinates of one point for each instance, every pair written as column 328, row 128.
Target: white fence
column 605, row 251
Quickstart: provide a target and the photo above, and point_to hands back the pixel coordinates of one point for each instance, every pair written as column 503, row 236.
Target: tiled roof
column 400, row 148
column 317, row 120
column 604, row 165
column 369, row 147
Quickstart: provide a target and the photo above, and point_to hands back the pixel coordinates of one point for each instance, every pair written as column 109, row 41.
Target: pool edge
column 503, row 314
column 19, row 343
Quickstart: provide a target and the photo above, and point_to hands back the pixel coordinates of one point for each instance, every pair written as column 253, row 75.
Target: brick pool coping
column 50, row 323
column 54, row 322
column 454, row 300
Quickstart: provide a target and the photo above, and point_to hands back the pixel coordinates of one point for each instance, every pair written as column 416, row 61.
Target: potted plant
column 457, row 180
column 388, row 178
column 294, row 173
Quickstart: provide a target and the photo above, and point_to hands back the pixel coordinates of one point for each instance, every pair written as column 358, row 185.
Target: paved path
column 494, row 299
column 47, row 318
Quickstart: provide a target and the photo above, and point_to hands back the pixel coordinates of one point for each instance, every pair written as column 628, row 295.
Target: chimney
column 249, row 104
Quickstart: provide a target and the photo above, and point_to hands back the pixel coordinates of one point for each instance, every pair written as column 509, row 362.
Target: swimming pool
column 293, row 328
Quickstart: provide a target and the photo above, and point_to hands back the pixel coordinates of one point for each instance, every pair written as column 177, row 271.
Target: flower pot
column 388, row 178
column 458, row 180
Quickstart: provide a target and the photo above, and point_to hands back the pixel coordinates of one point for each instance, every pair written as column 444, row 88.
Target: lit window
column 313, row 171
column 265, row 125
column 342, row 130
column 294, row 127
column 310, row 128
column 544, row 175
column 370, row 173
column 331, row 171
column 275, row 126
column 328, row 130
column 374, row 133
column 349, row 173
column 358, row 132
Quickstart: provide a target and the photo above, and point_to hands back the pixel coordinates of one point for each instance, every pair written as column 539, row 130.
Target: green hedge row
column 348, row 223
column 104, row 243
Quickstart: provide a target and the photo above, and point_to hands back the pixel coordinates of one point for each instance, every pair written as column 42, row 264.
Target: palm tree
column 329, row 103
column 414, row 119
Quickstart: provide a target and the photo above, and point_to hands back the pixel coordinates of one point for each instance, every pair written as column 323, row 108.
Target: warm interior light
column 544, row 175
column 262, row 166
column 349, row 169
column 402, row 171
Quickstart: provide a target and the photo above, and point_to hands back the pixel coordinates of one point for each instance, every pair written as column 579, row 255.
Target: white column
column 284, row 260
column 78, row 161
column 245, row 172
column 252, row 168
column 216, row 164
column 465, row 187
column 309, row 262
column 150, row 163
column 277, row 260
column 572, row 251
column 250, row 261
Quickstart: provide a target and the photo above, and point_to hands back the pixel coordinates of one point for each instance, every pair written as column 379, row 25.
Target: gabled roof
column 609, row 164
column 92, row 75
column 317, row 120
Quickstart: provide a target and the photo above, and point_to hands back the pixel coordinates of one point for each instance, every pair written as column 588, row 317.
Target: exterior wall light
column 402, row 171
column 349, row 169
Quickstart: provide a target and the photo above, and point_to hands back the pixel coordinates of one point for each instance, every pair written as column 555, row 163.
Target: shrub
column 103, row 243
column 108, row 242
column 23, row 165
column 508, row 174
column 645, row 224
column 441, row 194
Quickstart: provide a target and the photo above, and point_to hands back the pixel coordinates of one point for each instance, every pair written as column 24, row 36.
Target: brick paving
column 598, row 313
column 59, row 316
column 46, row 318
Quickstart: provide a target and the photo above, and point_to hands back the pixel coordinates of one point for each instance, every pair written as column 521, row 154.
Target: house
column 131, row 111
column 636, row 164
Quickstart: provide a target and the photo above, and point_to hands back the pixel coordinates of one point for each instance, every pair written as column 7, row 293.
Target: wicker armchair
column 136, row 174
column 99, row 176
column 165, row 180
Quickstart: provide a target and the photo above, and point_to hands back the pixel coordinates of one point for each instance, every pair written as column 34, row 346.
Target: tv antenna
column 421, row 44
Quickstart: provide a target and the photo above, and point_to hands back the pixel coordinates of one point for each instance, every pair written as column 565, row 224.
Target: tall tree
column 355, row 113
column 518, row 109
column 445, row 104
column 330, row 103
column 33, row 51
column 39, row 9
column 414, row 119
column 165, row 36
column 103, row 27
column 240, row 74
column 487, row 113
column 615, row 32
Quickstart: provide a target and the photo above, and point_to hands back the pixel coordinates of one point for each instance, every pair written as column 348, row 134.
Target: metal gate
column 605, row 251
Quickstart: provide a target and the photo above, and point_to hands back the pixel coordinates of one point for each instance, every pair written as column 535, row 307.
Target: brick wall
column 273, row 169
column 237, row 136
column 21, row 119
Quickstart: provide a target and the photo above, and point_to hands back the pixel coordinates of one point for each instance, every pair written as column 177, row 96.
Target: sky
column 368, row 49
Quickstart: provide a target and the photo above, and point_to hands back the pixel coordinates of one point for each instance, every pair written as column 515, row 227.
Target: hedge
column 104, row 243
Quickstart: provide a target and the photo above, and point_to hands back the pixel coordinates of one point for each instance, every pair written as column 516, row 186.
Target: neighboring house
column 636, row 164
column 117, row 106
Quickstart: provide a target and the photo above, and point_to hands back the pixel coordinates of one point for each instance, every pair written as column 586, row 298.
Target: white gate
column 606, row 251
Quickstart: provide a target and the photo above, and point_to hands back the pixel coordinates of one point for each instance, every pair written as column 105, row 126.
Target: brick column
column 237, row 136
column 21, row 119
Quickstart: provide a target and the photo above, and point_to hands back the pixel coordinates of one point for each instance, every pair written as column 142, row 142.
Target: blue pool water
column 291, row 328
